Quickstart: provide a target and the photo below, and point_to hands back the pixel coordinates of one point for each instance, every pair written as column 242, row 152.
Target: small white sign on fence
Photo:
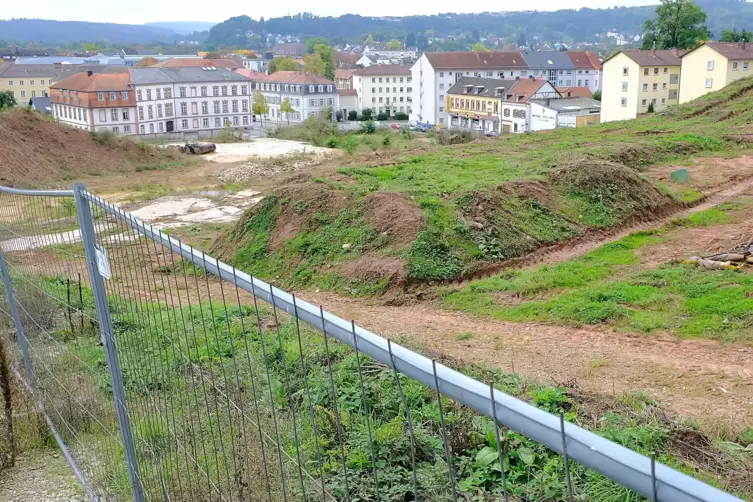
column 103, row 262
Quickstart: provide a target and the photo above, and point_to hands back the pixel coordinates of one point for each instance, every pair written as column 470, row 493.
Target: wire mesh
column 228, row 398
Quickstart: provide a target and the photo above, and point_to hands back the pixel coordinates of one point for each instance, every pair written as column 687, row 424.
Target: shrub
column 352, row 115
column 651, row 107
column 382, row 116
column 104, row 138
column 332, row 141
column 349, row 144
column 368, row 127
column 401, row 116
column 386, row 141
column 407, row 133
column 366, row 114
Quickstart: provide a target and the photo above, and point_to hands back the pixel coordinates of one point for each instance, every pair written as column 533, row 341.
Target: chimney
column 653, row 50
column 89, row 73
column 675, row 53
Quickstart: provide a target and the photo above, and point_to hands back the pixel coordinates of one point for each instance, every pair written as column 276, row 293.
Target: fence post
column 88, row 235
column 17, row 320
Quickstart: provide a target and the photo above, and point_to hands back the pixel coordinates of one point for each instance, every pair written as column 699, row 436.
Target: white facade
column 542, row 118
column 73, row 116
column 430, row 87
column 403, row 53
column 192, row 106
column 118, row 120
column 306, row 99
column 587, row 78
column 388, row 92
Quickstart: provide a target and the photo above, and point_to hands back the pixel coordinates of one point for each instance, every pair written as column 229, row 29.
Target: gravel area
column 263, row 148
column 41, row 476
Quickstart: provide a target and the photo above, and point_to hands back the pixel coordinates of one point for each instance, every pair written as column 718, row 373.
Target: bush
column 651, row 107
column 401, row 116
column 332, row 141
column 368, row 127
column 349, row 144
column 597, row 96
column 366, row 114
column 406, row 133
column 386, row 141
column 104, row 138
column 382, row 116
column 352, row 115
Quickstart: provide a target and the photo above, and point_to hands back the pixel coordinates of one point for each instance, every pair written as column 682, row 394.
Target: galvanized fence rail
column 163, row 377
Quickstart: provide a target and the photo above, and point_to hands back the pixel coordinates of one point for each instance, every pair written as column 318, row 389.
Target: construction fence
column 165, row 374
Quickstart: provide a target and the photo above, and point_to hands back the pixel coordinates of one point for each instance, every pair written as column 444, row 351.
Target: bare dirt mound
column 36, row 150
column 375, row 269
column 394, row 214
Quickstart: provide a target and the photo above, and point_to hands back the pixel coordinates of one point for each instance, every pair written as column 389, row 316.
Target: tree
column 680, row 24
column 479, row 47
column 144, row 62
column 7, row 100
column 736, row 36
column 260, row 106
column 597, row 96
column 410, row 39
column 287, row 108
column 369, row 41
column 313, row 63
column 88, row 47
column 395, row 44
column 284, row 63
column 212, row 55
column 367, row 113
column 651, row 107
column 327, row 55
column 311, row 44
column 352, row 115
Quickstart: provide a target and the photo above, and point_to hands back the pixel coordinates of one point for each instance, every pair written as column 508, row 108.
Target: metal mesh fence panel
column 172, row 376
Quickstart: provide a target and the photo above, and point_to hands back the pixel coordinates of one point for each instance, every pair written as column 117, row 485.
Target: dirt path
column 40, row 477
column 696, row 378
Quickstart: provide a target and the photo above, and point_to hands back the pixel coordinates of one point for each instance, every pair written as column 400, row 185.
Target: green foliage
column 650, row 107
column 680, row 24
column 352, row 115
column 401, row 116
column 104, row 138
column 736, row 36
column 368, row 127
column 382, row 116
column 349, row 144
column 479, row 47
column 260, row 106
column 386, row 141
column 332, row 141
column 7, row 100
column 431, row 259
column 367, row 113
column 287, row 108
column 597, row 95
column 311, row 44
column 284, row 63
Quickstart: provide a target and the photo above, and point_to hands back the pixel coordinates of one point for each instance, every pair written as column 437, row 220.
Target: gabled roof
column 96, row 82
column 487, row 86
column 670, row 57
column 297, row 77
column 545, row 60
column 575, row 92
column 198, row 63
column 473, row 60
column 527, row 87
column 151, row 75
column 29, row 71
column 348, row 92
column 252, row 74
column 585, row 60
column 569, row 104
column 384, row 69
column 734, row 51
column 288, row 48
column 344, row 74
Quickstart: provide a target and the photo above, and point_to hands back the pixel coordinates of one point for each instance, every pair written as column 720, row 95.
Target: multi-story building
column 310, row 95
column 344, row 78
column 435, row 72
column 385, row 88
column 190, row 99
column 554, row 66
column 228, row 63
column 391, row 54
column 496, row 105
column 588, row 70
column 95, row 102
column 633, row 80
column 28, row 81
column 712, row 66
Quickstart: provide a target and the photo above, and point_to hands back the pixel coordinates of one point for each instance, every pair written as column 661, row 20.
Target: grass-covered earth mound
column 456, row 210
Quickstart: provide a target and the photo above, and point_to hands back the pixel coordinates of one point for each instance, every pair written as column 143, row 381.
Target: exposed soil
column 375, row 268
column 395, row 215
column 40, row 477
column 707, row 174
column 697, row 378
column 37, row 151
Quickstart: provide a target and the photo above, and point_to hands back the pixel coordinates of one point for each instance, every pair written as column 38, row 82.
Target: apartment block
column 712, row 66
column 385, row 89
column 28, row 81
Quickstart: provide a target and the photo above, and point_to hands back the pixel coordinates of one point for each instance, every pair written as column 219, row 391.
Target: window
column 710, row 64
column 321, row 87
column 656, row 71
column 673, row 93
column 329, row 87
column 193, row 91
column 127, row 129
column 204, row 107
column 441, row 108
column 41, row 82
column 674, row 79
column 126, row 115
column 624, row 87
column 709, row 83
column 194, row 108
column 168, row 109
column 645, row 71
column 245, row 105
column 312, row 102
column 184, row 123
column 141, row 113
column 114, row 115
column 31, row 83
column 234, row 90
column 21, row 83
column 224, row 90
column 663, row 101
column 235, row 106
column 217, row 122
column 103, row 116
column 664, row 86
column 113, row 96
column 159, row 110
column 10, row 84
column 151, row 128
column 150, row 111
column 216, row 107
column 161, row 127
column 653, row 101
column 245, row 119
column 168, row 92
column 182, row 92
column 101, row 96
column 215, row 90
column 625, row 71
column 116, row 129
column 645, row 87
column 158, row 93
column 124, row 95
column 195, row 123
column 244, row 89
column 235, row 120
column 224, row 106
column 586, row 81
column 184, row 108
column 148, row 94
column 33, row 94
column 142, row 129
column 644, row 103
column 746, row 65
column 655, row 87
column 735, row 66
column 441, row 86
column 666, row 70
column 205, row 123
column 321, row 101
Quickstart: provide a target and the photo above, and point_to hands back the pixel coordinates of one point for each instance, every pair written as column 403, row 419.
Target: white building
column 391, row 54
column 310, row 95
column 384, row 88
column 435, row 72
column 190, row 99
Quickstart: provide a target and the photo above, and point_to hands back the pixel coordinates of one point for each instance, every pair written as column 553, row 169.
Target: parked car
column 420, row 127
column 491, row 134
column 397, row 126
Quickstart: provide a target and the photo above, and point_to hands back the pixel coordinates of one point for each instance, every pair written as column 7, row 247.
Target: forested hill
column 580, row 25
column 48, row 31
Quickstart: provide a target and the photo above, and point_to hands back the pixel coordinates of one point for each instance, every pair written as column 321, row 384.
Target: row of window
column 33, row 94
column 474, row 105
column 330, row 102
column 168, row 108
column 673, row 80
column 387, row 79
column 32, row 82
column 194, row 91
column 266, row 86
column 644, row 102
column 394, row 89
column 387, row 100
column 736, row 65
column 71, row 112
column 205, row 124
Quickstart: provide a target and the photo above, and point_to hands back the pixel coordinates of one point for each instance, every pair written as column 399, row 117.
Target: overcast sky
column 143, row 11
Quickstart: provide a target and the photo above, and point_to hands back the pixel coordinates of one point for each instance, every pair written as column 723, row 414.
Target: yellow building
column 28, row 81
column 712, row 66
column 476, row 103
column 633, row 80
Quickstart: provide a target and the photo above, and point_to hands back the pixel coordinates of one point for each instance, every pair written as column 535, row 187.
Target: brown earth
column 36, row 150
column 395, row 215
column 375, row 268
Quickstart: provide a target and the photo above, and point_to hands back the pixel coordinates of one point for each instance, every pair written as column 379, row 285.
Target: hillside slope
column 460, row 210
column 50, row 31
column 34, row 150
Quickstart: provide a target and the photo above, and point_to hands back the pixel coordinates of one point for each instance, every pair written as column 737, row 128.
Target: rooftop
column 575, row 92
column 348, row 92
column 146, row 76
column 652, row 57
column 198, row 63
column 569, row 104
column 344, row 74
column 487, row 86
column 544, row 60
column 296, row 77
column 733, row 51
column 29, row 71
column 471, row 60
column 384, row 69
column 585, row 60
column 96, row 82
